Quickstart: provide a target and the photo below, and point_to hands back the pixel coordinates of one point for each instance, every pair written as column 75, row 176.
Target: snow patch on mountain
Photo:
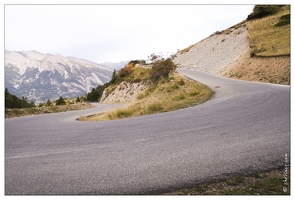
column 44, row 76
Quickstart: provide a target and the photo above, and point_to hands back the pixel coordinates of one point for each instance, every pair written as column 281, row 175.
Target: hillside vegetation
column 256, row 49
column 268, row 56
column 270, row 35
column 16, row 107
column 38, row 110
column 166, row 91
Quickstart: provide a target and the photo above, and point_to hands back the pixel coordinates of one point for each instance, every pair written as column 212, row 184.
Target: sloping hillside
column 268, row 56
column 228, row 53
column 216, row 52
column 137, row 87
column 274, row 69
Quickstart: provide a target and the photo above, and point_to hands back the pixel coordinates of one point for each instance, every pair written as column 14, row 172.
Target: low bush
column 126, row 70
column 161, row 68
column 284, row 20
column 260, row 11
column 60, row 101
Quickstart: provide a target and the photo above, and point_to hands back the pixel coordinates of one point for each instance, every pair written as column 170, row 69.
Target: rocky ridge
column 40, row 76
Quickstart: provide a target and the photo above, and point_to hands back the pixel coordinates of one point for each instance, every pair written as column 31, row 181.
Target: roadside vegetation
column 12, row 101
column 16, row 107
column 269, row 30
column 267, row 183
column 166, row 91
column 268, row 59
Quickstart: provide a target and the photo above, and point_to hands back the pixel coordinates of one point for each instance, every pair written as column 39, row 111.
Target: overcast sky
column 115, row 33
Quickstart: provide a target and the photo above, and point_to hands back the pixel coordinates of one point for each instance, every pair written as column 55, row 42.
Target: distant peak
column 58, row 55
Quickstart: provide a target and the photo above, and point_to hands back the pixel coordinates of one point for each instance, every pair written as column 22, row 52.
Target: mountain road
column 244, row 128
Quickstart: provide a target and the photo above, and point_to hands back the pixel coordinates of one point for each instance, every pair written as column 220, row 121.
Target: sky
column 114, row 33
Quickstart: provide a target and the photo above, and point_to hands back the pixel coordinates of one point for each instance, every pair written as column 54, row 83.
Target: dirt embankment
column 227, row 53
column 261, row 69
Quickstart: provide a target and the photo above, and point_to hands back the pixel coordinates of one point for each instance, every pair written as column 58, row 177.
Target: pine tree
column 60, row 101
column 12, row 101
column 48, row 103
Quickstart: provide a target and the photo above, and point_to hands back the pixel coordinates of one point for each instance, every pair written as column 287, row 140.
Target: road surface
column 244, row 128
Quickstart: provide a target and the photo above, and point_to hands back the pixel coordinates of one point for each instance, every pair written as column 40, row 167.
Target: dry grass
column 266, row 39
column 137, row 74
column 16, row 112
column 267, row 183
column 166, row 95
column 262, row 69
column 186, row 49
column 268, row 58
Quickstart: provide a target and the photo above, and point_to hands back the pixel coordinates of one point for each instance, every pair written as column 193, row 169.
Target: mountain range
column 40, row 77
column 115, row 66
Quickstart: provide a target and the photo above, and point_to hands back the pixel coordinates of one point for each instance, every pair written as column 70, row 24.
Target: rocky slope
column 123, row 93
column 227, row 54
column 217, row 52
column 40, row 76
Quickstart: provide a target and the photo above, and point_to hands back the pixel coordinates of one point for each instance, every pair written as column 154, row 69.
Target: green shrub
column 260, row 11
column 12, row 101
column 126, row 70
column 284, row 20
column 162, row 68
column 60, row 101
column 48, row 103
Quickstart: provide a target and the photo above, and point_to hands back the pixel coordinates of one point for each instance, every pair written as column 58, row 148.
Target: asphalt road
column 244, row 128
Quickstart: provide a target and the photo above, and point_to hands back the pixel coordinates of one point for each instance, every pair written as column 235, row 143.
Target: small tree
column 60, row 101
column 78, row 100
column 48, row 103
column 114, row 77
column 162, row 68
column 153, row 57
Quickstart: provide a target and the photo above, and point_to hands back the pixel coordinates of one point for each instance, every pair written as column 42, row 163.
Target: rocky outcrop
column 124, row 93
